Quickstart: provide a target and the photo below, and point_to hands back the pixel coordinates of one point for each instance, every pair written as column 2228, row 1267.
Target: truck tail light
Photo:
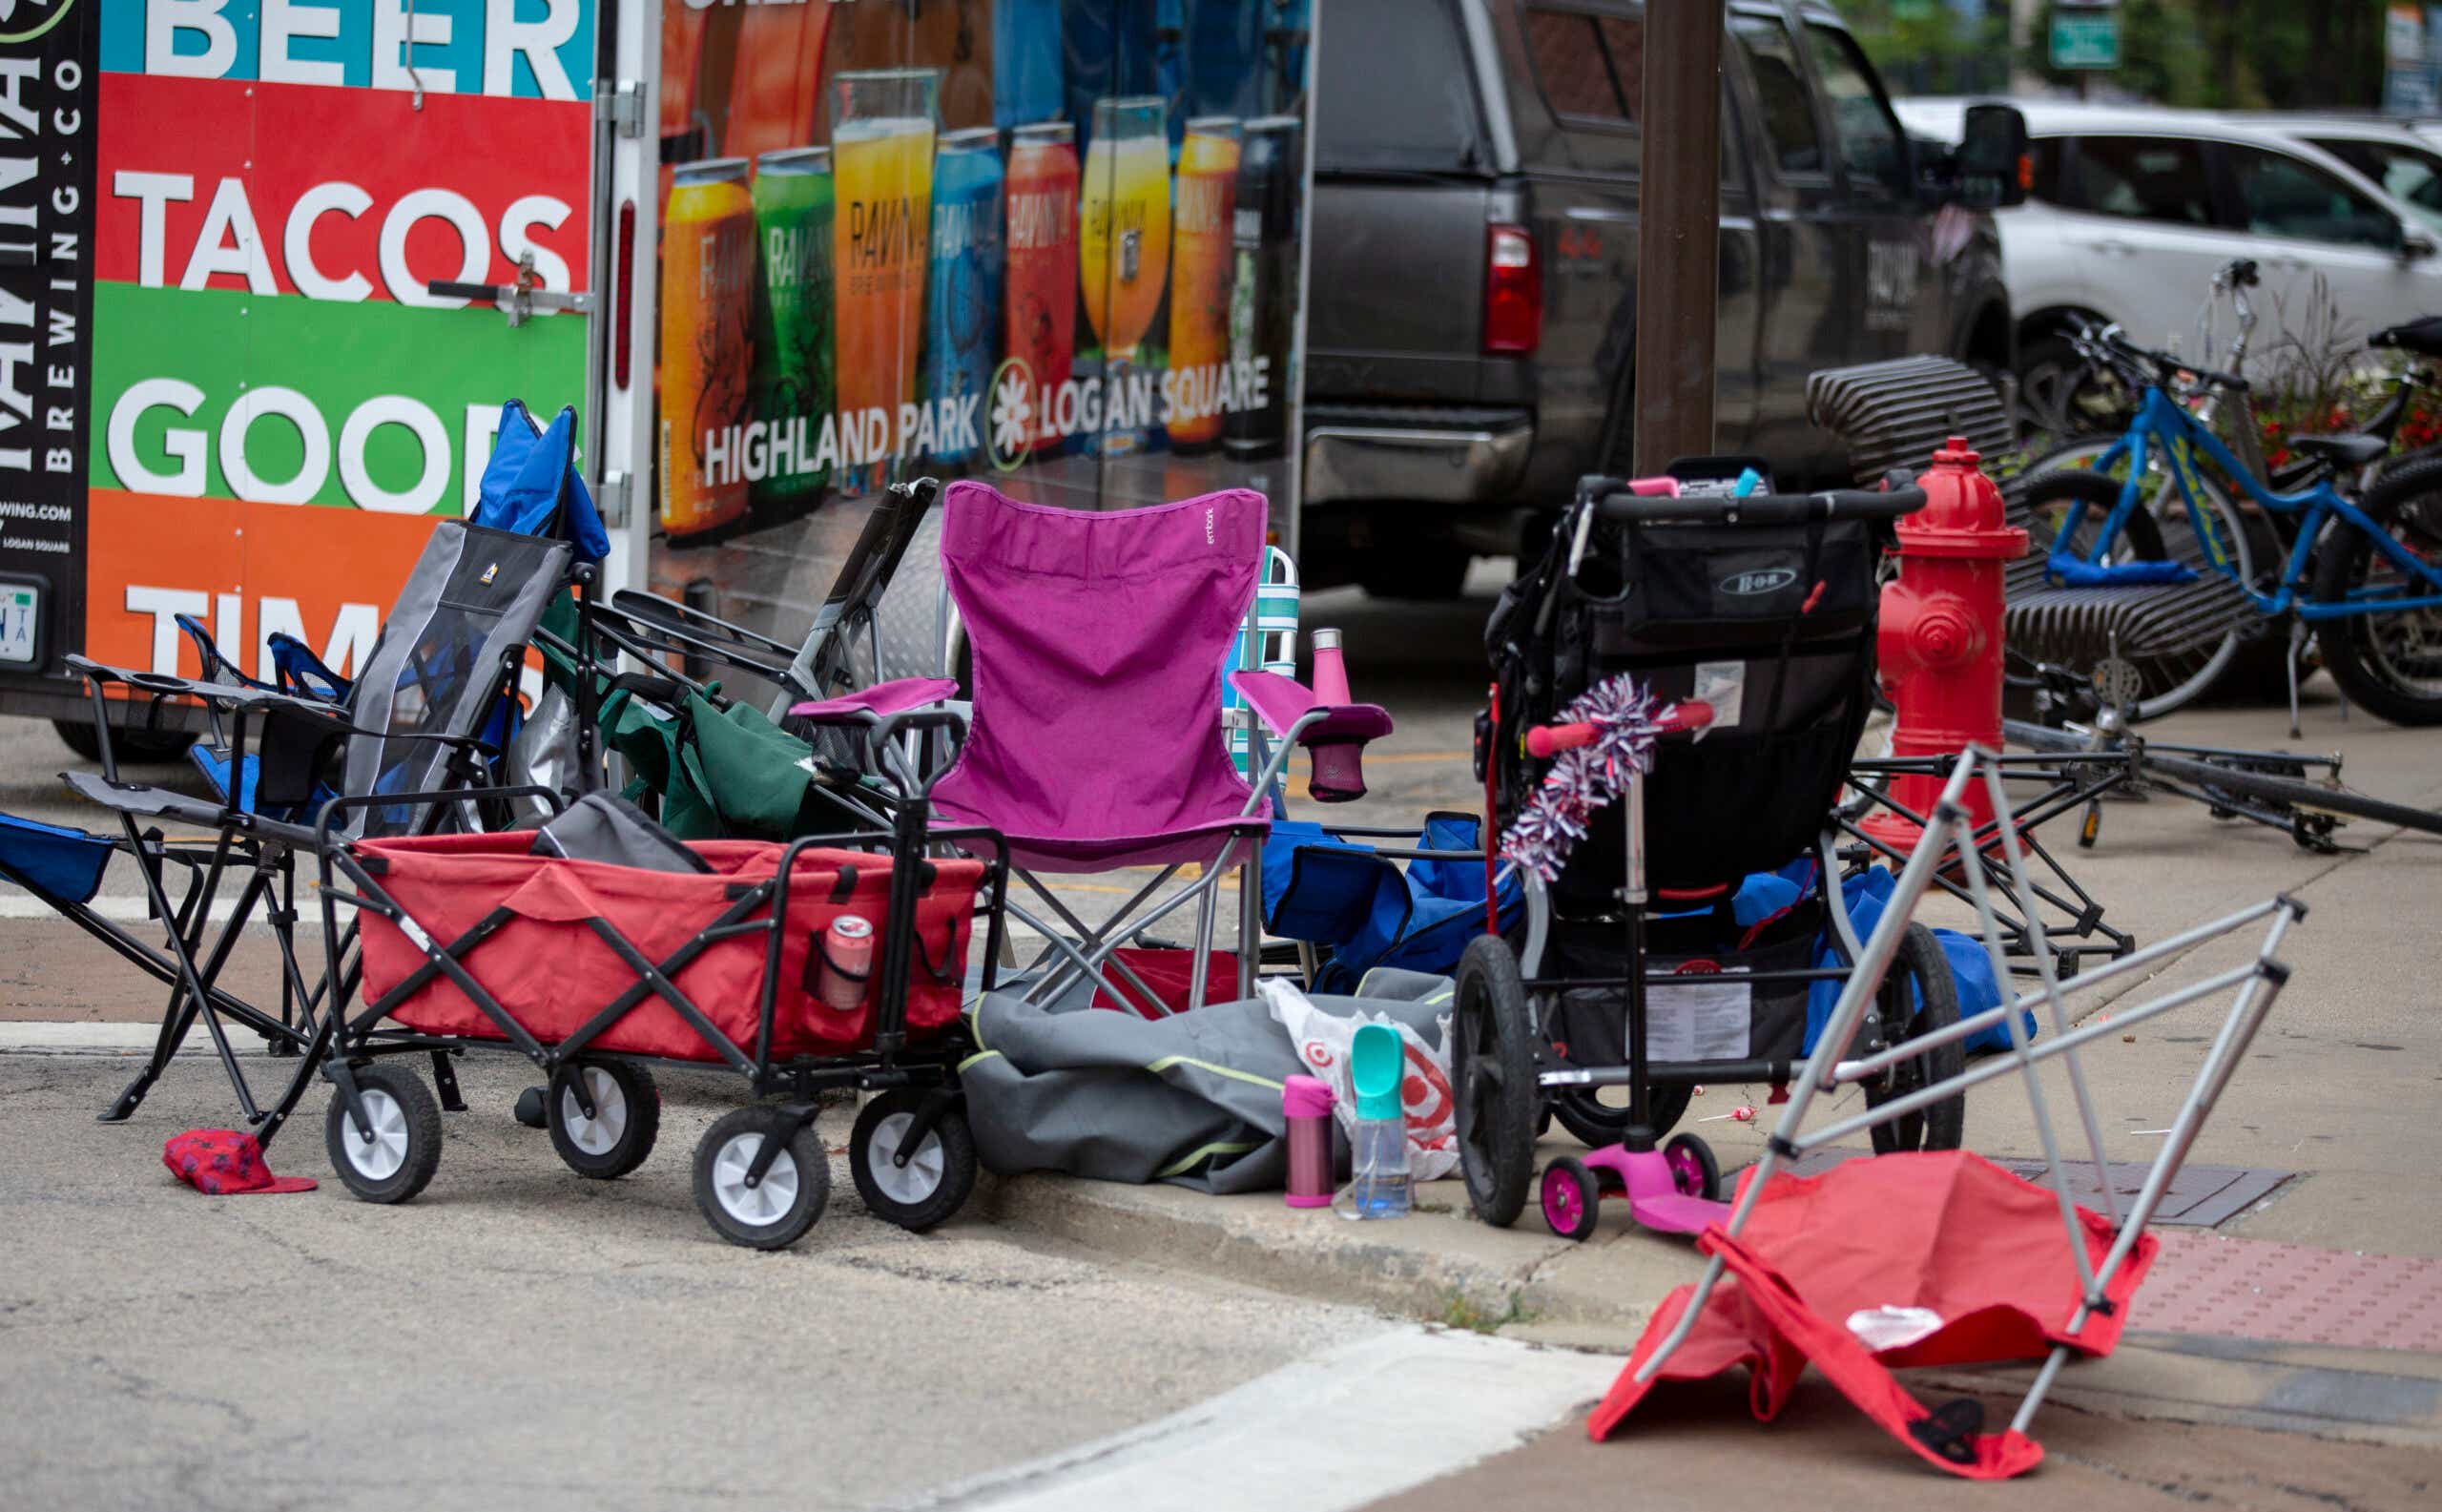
column 1513, row 292
column 623, row 341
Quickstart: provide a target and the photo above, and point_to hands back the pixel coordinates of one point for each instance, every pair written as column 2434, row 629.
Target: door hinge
column 623, row 102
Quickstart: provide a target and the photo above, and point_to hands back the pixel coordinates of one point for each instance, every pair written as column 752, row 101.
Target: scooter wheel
column 1571, row 1196
column 1693, row 1169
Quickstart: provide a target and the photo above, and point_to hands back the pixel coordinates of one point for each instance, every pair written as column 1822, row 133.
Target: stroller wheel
column 1492, row 1069
column 625, row 1119
column 405, row 1148
column 1571, row 1196
column 1693, row 1169
column 938, row 1177
column 1919, row 997
column 777, row 1211
column 1596, row 1123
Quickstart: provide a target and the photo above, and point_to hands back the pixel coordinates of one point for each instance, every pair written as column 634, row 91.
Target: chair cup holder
column 1338, row 773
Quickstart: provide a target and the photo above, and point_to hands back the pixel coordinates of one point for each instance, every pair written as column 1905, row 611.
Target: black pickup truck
column 1471, row 319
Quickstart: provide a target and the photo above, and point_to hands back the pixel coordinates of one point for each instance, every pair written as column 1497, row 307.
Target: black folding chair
column 417, row 736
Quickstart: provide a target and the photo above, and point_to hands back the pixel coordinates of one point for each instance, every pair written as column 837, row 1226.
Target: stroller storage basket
column 552, row 972
column 1703, row 1002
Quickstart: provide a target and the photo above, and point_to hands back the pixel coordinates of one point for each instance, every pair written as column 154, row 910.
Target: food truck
column 268, row 269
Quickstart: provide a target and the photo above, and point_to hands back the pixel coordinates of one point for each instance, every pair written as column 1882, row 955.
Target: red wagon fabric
column 552, row 972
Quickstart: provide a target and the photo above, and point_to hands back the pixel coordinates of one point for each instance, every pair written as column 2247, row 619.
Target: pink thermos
column 1331, row 673
column 1308, row 1104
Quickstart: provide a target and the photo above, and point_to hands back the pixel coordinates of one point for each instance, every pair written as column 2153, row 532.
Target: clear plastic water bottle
column 1379, row 1148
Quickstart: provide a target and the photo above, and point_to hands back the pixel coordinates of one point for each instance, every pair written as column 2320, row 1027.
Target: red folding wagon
column 714, row 955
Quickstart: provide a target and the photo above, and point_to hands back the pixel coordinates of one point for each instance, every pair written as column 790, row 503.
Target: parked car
column 2405, row 164
column 1470, row 329
column 2131, row 209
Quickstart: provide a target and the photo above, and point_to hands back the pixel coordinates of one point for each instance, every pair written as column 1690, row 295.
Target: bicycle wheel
column 2079, row 452
column 2388, row 661
column 2197, row 642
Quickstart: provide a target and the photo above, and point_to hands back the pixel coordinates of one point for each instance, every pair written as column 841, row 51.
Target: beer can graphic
column 1203, row 258
column 707, row 303
column 882, row 126
column 963, row 292
column 1263, row 297
column 793, row 379
column 1040, row 323
column 1124, row 255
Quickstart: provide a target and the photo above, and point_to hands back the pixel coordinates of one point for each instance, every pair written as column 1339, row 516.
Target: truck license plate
column 20, row 613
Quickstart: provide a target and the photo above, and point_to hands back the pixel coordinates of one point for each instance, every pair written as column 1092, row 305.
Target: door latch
column 518, row 300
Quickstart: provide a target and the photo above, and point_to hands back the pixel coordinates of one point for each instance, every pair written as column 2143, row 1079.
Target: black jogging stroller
column 1683, row 947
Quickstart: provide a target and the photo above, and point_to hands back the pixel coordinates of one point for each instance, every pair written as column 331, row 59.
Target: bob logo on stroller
column 1758, row 580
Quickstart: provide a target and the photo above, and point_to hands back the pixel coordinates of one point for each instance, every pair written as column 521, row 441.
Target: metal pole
column 1678, row 232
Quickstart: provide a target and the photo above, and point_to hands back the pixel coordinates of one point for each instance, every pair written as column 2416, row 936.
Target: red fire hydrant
column 1940, row 644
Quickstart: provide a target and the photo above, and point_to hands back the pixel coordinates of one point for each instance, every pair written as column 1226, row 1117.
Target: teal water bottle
column 1379, row 1147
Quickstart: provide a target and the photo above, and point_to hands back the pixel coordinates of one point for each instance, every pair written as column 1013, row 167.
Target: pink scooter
column 1676, row 1187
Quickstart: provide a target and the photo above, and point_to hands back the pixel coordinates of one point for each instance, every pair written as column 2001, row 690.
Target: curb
column 2385, row 1396
column 1444, row 1267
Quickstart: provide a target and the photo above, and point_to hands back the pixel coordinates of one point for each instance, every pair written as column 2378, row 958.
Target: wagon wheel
column 1493, row 1069
column 776, row 1212
column 1918, row 997
column 397, row 1157
column 937, row 1175
column 616, row 1136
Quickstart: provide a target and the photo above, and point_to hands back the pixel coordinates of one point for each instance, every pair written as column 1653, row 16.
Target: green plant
column 1458, row 1310
column 2315, row 375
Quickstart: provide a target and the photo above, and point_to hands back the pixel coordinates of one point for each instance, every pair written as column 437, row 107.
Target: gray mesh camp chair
column 420, row 727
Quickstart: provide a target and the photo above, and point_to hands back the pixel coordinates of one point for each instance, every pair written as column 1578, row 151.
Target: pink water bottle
column 1331, row 673
column 1308, row 1104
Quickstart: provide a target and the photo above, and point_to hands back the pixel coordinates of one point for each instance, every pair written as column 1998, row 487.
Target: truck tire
column 1433, row 572
column 128, row 745
column 2061, row 394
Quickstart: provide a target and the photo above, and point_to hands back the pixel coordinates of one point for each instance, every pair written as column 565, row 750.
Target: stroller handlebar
column 1760, row 508
column 1544, row 741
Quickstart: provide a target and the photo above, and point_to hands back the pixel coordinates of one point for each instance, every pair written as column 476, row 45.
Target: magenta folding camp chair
column 1097, row 641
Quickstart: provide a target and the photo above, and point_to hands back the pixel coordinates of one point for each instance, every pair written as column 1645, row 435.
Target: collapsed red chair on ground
column 1941, row 1258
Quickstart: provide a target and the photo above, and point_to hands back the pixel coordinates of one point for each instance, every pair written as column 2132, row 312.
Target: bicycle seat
column 2348, row 450
column 2422, row 336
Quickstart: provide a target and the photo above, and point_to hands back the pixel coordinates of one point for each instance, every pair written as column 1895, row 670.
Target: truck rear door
column 1805, row 324
column 1582, row 154
column 1403, row 192
column 270, row 400
column 1882, row 229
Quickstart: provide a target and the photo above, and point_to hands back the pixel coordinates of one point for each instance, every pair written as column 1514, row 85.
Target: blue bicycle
column 2360, row 571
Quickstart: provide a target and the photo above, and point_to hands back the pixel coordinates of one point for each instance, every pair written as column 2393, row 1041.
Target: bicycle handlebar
column 2166, row 365
column 1762, row 508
